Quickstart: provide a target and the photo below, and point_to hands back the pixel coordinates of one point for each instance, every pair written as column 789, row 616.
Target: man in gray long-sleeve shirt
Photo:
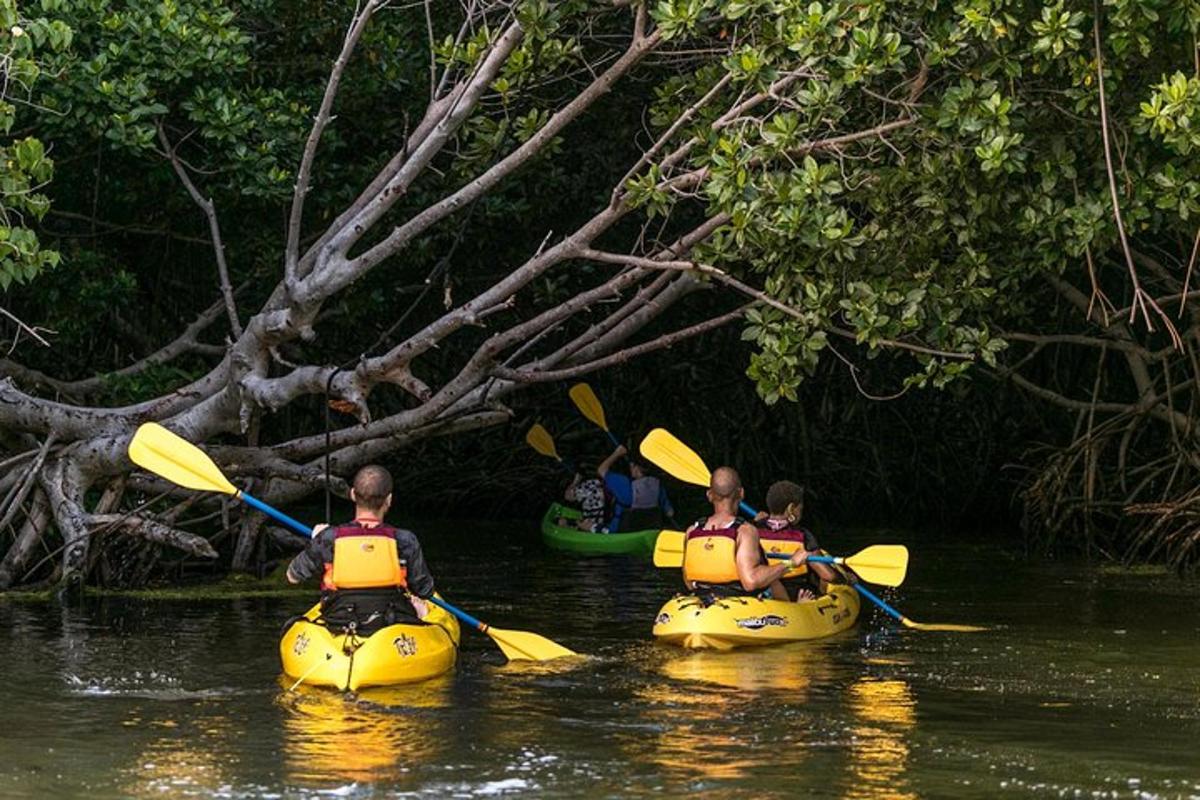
column 374, row 599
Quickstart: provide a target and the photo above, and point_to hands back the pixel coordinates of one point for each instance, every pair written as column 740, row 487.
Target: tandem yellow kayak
column 748, row 621
column 404, row 653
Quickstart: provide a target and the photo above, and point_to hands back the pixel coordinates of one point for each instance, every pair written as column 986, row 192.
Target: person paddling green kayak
column 639, row 499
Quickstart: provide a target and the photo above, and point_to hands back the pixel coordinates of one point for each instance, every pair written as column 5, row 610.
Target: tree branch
column 185, row 343
column 292, row 251
column 214, row 230
column 621, row 356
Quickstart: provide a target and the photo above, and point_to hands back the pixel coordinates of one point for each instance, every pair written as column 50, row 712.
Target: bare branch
column 621, row 356
column 185, row 343
column 153, row 531
column 292, row 252
column 214, row 229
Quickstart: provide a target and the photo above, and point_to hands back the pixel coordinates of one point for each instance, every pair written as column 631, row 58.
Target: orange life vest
column 364, row 558
column 710, row 554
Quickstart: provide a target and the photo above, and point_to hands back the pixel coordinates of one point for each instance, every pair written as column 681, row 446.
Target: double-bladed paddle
column 885, row 564
column 676, row 458
column 170, row 456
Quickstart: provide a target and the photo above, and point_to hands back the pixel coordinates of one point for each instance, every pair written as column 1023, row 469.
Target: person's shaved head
column 372, row 485
column 725, row 483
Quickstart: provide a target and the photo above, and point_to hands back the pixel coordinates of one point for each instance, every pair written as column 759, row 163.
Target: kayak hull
column 576, row 541
column 397, row 654
column 750, row 622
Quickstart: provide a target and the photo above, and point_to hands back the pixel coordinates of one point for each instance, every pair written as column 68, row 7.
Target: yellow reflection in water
column 191, row 761
column 696, row 712
column 885, row 713
column 375, row 735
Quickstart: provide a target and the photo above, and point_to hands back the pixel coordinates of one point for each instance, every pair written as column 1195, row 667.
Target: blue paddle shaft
column 814, row 559
column 294, row 524
column 865, row 592
column 462, row 615
column 300, row 527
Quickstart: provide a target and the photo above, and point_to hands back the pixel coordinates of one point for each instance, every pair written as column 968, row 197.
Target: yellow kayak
column 749, row 621
column 403, row 653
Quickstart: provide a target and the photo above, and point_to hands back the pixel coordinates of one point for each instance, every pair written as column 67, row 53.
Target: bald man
column 372, row 574
column 722, row 554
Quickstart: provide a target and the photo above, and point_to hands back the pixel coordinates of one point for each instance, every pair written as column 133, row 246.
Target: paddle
column 589, row 405
column 678, row 459
column 169, row 456
column 540, row 440
column 885, row 564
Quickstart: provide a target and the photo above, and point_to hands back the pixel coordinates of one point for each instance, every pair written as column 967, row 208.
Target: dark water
column 1088, row 685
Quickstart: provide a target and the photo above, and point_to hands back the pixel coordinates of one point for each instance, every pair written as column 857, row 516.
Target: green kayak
column 577, row 541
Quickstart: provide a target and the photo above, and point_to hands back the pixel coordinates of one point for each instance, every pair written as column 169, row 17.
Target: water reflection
column 377, row 734
column 710, row 713
column 189, row 756
column 884, row 714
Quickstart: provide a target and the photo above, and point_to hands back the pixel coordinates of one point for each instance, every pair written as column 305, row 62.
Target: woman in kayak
column 722, row 555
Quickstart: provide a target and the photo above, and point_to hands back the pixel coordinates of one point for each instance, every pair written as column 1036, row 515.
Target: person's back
column 640, row 501
column 369, row 571
column 722, row 555
column 781, row 532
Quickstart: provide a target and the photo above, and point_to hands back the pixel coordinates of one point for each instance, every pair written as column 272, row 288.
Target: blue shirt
column 621, row 488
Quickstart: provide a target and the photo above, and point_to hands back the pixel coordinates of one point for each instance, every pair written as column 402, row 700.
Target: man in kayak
column 722, row 555
column 639, row 500
column 372, row 574
column 779, row 531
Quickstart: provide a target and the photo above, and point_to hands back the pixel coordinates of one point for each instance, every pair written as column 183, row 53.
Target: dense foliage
column 909, row 195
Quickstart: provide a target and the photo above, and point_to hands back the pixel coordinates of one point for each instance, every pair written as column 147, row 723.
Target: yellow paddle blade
column 526, row 646
column 885, row 564
column 540, row 439
column 934, row 626
column 588, row 404
column 674, row 457
column 169, row 456
column 668, row 549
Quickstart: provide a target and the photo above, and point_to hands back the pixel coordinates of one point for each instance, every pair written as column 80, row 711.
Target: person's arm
column 607, row 463
column 823, row 571
column 420, row 580
column 753, row 574
column 311, row 560
column 570, row 494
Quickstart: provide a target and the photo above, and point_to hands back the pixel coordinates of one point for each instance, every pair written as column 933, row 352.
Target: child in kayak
column 589, row 495
column 779, row 531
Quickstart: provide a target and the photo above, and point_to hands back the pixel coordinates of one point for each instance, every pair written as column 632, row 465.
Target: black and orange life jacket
column 364, row 558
